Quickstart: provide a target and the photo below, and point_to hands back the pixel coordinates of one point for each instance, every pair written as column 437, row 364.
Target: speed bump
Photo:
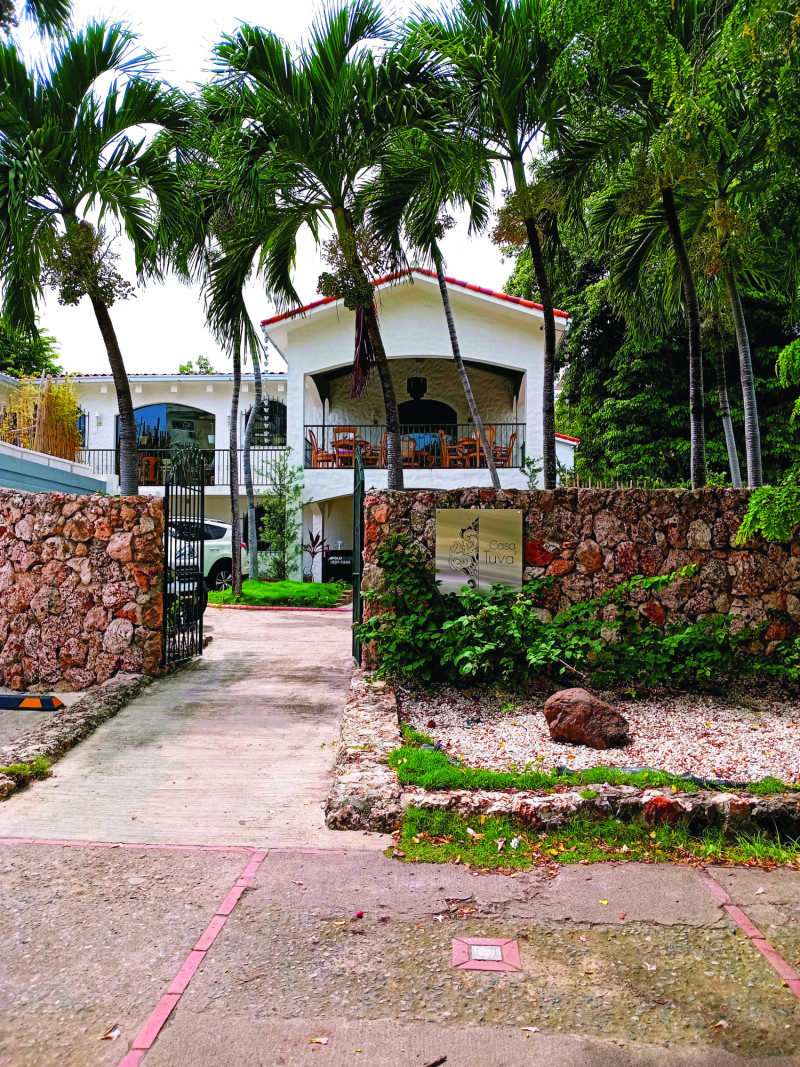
column 13, row 703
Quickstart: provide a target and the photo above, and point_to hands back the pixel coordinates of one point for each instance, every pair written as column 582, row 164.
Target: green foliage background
column 625, row 396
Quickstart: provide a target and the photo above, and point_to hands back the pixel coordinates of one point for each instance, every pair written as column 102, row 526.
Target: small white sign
column 486, row 952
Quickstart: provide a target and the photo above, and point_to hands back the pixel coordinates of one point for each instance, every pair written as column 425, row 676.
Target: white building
column 502, row 343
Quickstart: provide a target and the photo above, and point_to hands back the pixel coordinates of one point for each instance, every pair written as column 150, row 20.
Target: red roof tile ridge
column 426, row 273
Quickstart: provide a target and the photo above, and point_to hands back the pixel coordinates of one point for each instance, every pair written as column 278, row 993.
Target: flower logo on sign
column 463, row 556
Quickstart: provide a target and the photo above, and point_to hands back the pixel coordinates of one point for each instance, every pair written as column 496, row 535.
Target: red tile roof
column 428, row 274
column 564, row 437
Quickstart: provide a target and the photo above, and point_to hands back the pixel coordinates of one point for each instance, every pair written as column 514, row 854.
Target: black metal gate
column 184, row 585
column 358, row 548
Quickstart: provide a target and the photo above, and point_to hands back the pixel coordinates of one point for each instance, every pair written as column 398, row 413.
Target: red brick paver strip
column 177, row 987
column 782, row 967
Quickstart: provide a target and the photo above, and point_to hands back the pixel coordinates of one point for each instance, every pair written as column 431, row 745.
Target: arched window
column 164, row 425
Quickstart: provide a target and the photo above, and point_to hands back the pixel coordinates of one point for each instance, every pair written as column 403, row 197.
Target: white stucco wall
column 209, row 393
column 413, row 327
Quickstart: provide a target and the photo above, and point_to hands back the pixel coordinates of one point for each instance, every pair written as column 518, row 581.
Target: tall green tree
column 502, row 56
column 72, row 142
column 419, row 180
column 310, row 128
column 23, row 356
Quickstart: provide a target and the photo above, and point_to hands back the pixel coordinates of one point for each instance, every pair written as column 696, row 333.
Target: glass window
column 163, row 425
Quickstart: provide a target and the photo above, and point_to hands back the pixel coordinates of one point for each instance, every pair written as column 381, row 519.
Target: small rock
column 576, row 717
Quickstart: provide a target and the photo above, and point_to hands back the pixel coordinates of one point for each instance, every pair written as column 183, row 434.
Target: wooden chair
column 319, row 457
column 344, row 445
column 504, row 456
column 408, row 450
column 150, row 469
column 451, row 457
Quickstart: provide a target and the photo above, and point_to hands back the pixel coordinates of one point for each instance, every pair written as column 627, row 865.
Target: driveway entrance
column 235, row 749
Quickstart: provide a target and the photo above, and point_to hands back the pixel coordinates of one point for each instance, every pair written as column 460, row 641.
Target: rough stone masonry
column 80, row 588
column 595, row 539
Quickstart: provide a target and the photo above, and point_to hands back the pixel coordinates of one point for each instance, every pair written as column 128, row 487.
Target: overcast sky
column 165, row 325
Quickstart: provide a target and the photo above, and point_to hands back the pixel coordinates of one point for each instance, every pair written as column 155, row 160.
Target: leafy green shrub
column 772, row 511
column 501, row 638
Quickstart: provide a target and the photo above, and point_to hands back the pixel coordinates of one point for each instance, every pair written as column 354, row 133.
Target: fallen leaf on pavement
column 530, row 1029
column 338, row 922
column 649, row 966
column 759, row 890
column 583, row 937
column 318, row 1041
column 721, row 1024
column 622, row 915
column 397, row 852
column 112, row 1033
column 604, row 902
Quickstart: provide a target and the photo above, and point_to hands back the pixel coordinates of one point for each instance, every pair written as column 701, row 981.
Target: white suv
column 217, row 555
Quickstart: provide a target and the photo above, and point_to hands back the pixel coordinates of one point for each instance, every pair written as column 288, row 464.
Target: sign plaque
column 478, row 548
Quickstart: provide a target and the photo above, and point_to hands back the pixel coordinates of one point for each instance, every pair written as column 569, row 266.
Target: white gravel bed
column 702, row 736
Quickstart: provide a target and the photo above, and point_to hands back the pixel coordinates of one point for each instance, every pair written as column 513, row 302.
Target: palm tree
column 50, row 16
column 502, row 57
column 309, row 129
column 419, row 179
column 69, row 146
column 249, row 434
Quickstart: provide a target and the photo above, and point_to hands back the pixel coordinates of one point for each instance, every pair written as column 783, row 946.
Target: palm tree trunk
column 252, row 532
column 724, row 405
column 394, row 454
column 696, row 394
column 752, row 430
column 128, row 458
column 462, row 371
column 549, row 368
column 233, row 463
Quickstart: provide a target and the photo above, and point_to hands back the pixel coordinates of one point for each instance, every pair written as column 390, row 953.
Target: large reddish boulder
column 576, row 717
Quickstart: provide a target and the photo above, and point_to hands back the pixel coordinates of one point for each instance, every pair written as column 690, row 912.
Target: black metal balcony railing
column 154, row 464
column 452, row 447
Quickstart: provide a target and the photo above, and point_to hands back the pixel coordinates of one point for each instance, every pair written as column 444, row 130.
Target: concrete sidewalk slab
column 293, row 949
column 236, row 748
column 91, row 937
column 197, row 1041
column 771, row 900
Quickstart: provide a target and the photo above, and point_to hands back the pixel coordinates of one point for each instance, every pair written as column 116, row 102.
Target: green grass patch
column 28, row 772
column 433, row 769
column 277, row 594
column 487, row 842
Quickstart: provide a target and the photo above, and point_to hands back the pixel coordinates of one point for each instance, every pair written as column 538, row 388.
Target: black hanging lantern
column 416, row 387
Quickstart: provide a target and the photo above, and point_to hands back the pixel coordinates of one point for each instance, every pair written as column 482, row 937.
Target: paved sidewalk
column 233, row 749
column 200, row 910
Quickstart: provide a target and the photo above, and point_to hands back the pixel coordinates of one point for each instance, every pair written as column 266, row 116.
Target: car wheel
column 220, row 576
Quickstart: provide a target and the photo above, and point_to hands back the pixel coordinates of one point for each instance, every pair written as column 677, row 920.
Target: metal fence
column 155, row 464
column 454, row 446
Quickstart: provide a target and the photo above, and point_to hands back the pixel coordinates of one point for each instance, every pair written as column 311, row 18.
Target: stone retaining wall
column 80, row 588
column 594, row 539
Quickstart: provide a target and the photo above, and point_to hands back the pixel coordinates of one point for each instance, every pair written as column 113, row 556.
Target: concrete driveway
column 235, row 749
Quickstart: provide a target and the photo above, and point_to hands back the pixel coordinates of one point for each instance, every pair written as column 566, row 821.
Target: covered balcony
column 448, row 446
column 437, row 431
